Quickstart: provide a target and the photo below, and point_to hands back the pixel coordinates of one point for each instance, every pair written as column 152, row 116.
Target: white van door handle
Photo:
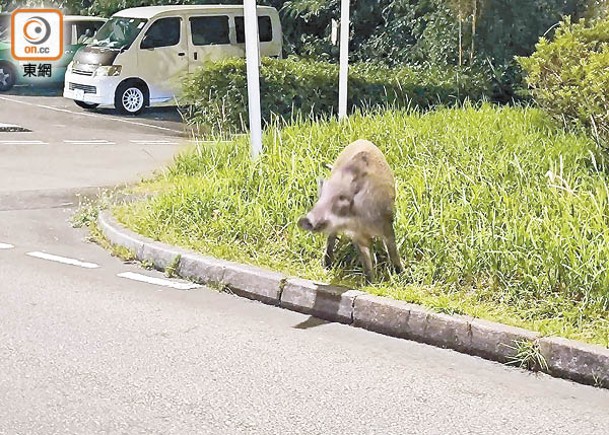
column 181, row 54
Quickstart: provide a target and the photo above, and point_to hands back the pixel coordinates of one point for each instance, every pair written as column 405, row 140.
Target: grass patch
column 86, row 216
column 500, row 214
column 529, row 356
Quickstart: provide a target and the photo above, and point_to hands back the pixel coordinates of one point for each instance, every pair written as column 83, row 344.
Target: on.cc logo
column 37, row 34
column 36, row 30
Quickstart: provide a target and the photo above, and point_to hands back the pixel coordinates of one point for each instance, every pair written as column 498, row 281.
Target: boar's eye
column 342, row 206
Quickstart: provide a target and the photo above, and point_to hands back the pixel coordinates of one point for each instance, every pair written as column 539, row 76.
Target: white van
column 139, row 56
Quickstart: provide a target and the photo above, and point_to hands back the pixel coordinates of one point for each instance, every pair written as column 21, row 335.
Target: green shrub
column 290, row 89
column 569, row 77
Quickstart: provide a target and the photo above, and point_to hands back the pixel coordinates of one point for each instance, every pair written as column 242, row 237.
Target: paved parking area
column 51, row 137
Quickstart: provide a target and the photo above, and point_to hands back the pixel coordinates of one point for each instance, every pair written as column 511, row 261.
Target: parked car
column 137, row 59
column 77, row 31
column 6, row 75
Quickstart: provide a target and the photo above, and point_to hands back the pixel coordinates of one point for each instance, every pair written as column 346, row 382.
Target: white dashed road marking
column 153, row 142
column 90, row 142
column 159, row 281
column 63, row 260
column 6, row 246
column 23, row 142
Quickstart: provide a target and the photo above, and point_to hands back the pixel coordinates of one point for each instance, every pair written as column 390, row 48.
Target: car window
column 85, row 30
column 118, row 33
column 265, row 29
column 67, row 33
column 164, row 32
column 5, row 30
column 209, row 30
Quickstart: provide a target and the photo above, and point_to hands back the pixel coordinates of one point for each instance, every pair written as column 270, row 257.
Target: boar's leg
column 329, row 255
column 392, row 250
column 365, row 257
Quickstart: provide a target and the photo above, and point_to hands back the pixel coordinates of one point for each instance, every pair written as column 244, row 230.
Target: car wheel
column 86, row 105
column 7, row 76
column 130, row 99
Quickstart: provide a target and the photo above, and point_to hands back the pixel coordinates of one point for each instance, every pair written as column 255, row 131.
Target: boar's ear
column 361, row 159
column 357, row 178
column 358, row 165
column 358, row 168
column 320, row 185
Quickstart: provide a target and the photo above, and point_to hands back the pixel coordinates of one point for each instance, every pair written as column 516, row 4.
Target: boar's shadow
column 347, row 267
column 326, row 307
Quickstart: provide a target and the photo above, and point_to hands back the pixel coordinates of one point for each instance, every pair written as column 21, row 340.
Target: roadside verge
column 558, row 357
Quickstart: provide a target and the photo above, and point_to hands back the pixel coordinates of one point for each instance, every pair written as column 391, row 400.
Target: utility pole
column 252, row 59
column 344, row 59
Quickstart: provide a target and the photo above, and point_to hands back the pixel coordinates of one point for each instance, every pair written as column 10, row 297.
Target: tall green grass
column 500, row 214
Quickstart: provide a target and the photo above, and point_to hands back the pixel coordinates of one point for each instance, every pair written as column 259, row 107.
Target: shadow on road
column 35, row 91
column 327, row 305
column 311, row 322
column 152, row 113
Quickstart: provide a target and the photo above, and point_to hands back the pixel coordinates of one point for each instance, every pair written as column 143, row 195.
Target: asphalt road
column 68, row 147
column 86, row 351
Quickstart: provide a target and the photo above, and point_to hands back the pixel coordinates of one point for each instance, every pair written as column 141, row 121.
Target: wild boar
column 357, row 200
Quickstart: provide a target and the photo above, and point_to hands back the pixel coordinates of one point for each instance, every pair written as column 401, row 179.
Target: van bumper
column 92, row 90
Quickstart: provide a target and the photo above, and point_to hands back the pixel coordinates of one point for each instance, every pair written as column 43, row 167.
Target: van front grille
column 81, row 72
column 87, row 88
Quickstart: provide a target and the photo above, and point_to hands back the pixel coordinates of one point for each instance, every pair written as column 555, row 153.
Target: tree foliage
column 436, row 31
column 394, row 32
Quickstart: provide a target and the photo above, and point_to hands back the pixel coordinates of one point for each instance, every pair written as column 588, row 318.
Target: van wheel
column 130, row 99
column 7, row 76
column 86, row 105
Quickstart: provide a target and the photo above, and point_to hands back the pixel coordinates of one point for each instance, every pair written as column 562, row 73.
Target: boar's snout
column 306, row 224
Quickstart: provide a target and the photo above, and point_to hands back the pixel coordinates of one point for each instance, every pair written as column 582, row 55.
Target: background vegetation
column 398, row 31
column 569, row 77
column 216, row 96
column 485, row 34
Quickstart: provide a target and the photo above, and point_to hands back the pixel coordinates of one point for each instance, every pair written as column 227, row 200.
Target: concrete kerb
column 247, row 281
column 577, row 361
column 320, row 300
column 116, row 235
column 506, row 344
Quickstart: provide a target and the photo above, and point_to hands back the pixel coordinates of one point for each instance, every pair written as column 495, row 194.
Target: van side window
column 209, row 30
column 265, row 29
column 164, row 32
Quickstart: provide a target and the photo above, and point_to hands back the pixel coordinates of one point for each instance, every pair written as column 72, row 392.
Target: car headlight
column 108, row 71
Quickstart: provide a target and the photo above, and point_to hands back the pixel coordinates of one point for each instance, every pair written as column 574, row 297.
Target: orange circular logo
column 36, row 30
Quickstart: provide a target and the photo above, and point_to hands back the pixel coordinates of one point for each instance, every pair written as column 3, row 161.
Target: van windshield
column 118, row 33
